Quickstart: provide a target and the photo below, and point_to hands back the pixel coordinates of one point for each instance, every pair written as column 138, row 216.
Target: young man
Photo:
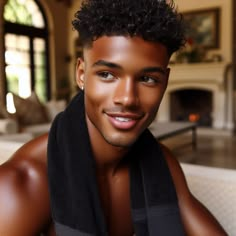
column 106, row 173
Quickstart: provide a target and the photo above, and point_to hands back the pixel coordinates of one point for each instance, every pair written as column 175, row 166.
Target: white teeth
column 122, row 119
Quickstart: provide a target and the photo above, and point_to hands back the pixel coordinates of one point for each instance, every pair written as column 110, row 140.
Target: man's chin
column 121, row 142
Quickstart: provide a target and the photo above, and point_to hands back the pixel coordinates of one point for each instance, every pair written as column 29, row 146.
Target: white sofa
column 8, row 126
column 216, row 189
column 7, row 148
column 51, row 108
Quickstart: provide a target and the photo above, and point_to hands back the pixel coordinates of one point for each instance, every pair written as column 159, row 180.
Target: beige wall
column 72, row 37
column 225, row 23
column 57, row 15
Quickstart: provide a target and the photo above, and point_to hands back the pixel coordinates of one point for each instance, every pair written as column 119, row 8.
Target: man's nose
column 126, row 93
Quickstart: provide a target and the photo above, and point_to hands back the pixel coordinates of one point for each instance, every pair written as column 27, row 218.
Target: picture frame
column 203, row 27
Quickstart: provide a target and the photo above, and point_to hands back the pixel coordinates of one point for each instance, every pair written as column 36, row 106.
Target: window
column 26, row 49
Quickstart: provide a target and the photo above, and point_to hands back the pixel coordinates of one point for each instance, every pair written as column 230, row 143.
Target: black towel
column 75, row 202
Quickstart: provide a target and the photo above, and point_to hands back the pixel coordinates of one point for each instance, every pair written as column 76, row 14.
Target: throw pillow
column 29, row 111
column 4, row 114
column 53, row 107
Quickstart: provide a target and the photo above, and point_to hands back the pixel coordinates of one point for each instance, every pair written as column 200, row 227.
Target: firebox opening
column 193, row 105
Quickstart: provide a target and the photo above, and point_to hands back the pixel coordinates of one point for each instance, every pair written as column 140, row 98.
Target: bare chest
column 115, row 199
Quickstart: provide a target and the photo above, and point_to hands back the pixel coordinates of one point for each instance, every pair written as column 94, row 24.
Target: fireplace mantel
column 214, row 77
column 198, row 72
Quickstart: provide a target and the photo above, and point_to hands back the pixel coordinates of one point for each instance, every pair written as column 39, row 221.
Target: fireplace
column 191, row 105
column 201, row 92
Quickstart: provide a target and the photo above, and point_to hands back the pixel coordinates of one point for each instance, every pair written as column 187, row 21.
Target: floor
column 214, row 148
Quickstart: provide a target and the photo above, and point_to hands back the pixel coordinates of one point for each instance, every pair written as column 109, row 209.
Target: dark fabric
column 67, row 231
column 73, row 188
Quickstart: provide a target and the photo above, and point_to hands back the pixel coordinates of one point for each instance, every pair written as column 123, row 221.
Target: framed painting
column 203, row 27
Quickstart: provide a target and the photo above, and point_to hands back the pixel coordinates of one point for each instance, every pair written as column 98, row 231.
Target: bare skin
column 24, row 199
column 124, row 80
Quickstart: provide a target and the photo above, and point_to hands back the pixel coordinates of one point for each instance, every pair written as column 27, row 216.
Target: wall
column 73, row 35
column 58, row 14
column 225, row 24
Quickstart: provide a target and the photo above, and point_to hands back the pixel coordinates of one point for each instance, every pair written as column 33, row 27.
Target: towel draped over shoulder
column 75, row 203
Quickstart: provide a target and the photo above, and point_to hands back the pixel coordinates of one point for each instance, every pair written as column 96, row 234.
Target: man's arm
column 196, row 218
column 24, row 198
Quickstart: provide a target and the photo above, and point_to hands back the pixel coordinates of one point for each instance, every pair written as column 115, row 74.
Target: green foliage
column 16, row 12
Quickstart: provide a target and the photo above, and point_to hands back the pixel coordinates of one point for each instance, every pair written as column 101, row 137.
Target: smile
column 122, row 122
column 123, row 119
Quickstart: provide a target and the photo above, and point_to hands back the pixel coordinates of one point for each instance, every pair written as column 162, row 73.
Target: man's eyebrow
column 154, row 69
column 116, row 66
column 107, row 64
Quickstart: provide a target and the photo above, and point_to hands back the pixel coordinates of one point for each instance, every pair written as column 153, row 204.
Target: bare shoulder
column 196, row 218
column 24, row 199
column 176, row 172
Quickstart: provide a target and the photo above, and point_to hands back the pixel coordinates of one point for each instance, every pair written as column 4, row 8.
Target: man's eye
column 148, row 79
column 106, row 75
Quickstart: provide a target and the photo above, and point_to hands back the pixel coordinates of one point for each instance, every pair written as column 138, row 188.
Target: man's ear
column 80, row 73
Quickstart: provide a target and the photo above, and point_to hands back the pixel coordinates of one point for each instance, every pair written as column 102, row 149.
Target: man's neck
column 107, row 157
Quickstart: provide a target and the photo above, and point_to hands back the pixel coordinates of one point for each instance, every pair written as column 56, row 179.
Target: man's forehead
column 124, row 51
column 114, row 42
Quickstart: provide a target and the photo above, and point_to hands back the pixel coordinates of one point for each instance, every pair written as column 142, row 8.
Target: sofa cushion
column 8, row 126
column 216, row 189
column 9, row 147
column 29, row 110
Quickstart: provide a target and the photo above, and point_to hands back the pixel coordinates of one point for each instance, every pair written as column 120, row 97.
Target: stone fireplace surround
column 191, row 105
column 214, row 77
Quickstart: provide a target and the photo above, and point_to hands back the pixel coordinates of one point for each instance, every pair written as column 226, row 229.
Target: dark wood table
column 163, row 130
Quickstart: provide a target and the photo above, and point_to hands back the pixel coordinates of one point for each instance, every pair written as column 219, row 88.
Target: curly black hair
column 153, row 20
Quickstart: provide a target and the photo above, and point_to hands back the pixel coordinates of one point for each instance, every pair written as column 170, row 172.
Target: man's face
column 124, row 80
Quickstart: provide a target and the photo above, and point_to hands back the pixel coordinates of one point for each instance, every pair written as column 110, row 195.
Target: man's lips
column 123, row 120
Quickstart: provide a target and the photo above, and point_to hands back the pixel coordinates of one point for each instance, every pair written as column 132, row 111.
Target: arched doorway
column 26, row 49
